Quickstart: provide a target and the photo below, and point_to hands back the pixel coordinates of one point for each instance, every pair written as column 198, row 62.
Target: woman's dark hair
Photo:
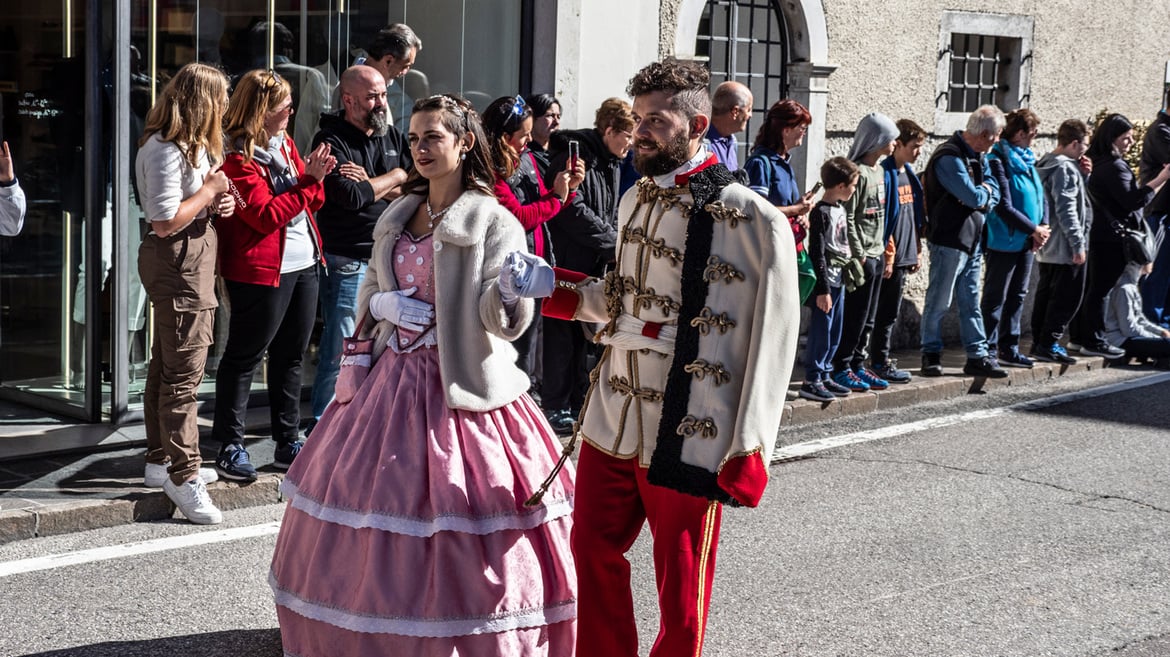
column 1107, row 131
column 783, row 114
column 503, row 117
column 541, row 104
column 459, row 117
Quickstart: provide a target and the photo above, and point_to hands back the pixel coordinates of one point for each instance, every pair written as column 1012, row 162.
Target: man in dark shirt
column 372, row 162
column 731, row 107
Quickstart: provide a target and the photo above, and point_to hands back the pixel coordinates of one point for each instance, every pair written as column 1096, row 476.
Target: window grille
column 746, row 41
column 977, row 64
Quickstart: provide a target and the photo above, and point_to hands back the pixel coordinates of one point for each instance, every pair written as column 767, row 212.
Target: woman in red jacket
column 507, row 123
column 268, row 255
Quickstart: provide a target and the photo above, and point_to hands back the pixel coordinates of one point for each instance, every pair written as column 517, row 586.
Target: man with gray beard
column 372, row 163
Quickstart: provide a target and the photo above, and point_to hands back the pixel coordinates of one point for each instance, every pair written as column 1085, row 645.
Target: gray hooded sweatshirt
column 1070, row 214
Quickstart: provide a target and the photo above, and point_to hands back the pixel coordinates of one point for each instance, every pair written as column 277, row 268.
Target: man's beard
column 378, row 121
column 670, row 156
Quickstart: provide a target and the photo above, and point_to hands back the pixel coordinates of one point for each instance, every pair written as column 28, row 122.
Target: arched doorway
column 798, row 33
column 746, row 41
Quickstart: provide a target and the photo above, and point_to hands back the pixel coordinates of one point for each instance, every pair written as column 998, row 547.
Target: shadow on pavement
column 238, row 643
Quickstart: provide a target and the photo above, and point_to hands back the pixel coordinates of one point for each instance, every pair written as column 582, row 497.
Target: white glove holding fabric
column 398, row 308
column 525, row 275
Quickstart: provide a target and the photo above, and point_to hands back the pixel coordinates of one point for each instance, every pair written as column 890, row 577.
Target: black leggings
column 278, row 320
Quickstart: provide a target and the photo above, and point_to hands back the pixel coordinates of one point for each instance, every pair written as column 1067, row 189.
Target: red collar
column 685, row 178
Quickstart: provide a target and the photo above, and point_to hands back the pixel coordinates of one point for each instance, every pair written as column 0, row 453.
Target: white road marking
column 132, row 549
column 801, row 450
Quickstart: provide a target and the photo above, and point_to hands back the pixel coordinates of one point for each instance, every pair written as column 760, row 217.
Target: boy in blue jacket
column 905, row 211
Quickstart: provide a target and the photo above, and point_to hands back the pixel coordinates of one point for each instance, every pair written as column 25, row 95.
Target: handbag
column 1138, row 243
column 357, row 357
column 806, row 276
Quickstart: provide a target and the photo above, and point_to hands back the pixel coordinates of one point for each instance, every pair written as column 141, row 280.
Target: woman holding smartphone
column 508, row 123
column 768, row 169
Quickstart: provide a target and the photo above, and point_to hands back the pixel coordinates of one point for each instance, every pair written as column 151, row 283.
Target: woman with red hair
column 768, row 169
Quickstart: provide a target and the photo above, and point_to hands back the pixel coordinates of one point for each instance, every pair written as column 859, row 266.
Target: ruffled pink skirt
column 406, row 531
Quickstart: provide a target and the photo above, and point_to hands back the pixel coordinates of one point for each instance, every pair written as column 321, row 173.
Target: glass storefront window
column 47, row 294
column 43, row 279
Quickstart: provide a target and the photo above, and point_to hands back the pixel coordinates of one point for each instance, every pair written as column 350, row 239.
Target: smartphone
column 816, row 188
column 574, row 154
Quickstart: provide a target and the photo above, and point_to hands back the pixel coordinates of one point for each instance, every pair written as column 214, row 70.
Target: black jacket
column 350, row 212
column 950, row 223
column 1155, row 155
column 1117, row 200
column 584, row 232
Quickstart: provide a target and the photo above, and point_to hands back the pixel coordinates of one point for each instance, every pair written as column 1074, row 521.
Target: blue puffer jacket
column 1012, row 221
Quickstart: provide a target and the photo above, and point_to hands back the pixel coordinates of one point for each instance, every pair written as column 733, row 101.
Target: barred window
column 983, row 59
column 978, row 62
column 746, row 41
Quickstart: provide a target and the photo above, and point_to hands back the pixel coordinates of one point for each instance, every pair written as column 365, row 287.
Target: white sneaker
column 156, row 474
column 193, row 501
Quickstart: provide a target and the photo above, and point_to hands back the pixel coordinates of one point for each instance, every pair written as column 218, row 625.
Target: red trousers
column 612, row 501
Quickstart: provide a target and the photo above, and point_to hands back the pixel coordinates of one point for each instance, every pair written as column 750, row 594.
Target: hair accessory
column 519, row 106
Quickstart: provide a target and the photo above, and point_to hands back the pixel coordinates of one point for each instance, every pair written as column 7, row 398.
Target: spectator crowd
column 454, row 226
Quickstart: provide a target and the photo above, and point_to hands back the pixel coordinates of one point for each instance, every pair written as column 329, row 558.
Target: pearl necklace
column 435, row 216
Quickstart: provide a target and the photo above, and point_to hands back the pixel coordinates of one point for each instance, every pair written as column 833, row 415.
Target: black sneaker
column 890, row 372
column 932, row 364
column 1052, row 354
column 285, row 453
column 234, row 463
column 985, row 366
column 561, row 421
column 1013, row 358
column 816, row 391
column 836, row 388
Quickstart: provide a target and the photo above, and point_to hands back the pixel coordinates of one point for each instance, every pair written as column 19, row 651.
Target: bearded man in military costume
column 701, row 316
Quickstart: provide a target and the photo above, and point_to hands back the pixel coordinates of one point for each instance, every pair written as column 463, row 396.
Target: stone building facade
column 928, row 60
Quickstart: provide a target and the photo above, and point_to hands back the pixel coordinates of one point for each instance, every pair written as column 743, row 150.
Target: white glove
column 398, row 308
column 525, row 275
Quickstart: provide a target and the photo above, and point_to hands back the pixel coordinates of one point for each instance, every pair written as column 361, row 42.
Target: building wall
column 600, row 45
column 1085, row 57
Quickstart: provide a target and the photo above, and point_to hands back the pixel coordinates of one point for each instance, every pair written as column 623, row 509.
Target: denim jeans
column 1004, row 291
column 339, row 292
column 824, row 335
column 954, row 276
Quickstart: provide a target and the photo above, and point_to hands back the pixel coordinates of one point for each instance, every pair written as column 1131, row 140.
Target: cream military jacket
column 741, row 330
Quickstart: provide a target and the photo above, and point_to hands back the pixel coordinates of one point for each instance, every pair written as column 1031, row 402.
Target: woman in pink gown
column 406, row 531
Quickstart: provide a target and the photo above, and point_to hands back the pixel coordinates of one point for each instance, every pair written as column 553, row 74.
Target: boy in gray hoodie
column 865, row 213
column 1062, row 258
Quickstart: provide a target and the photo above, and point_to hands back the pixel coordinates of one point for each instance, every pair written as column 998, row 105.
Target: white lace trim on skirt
column 423, row 627
column 425, row 528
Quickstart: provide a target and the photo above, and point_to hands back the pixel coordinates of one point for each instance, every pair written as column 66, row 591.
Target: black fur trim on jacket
column 666, row 466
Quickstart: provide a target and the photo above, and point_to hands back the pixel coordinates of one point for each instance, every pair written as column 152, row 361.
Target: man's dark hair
column 1071, row 131
column 838, row 171
column 395, row 40
column 685, row 81
column 909, row 131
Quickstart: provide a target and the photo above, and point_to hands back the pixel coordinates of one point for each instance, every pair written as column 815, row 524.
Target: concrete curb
column 922, row 389
column 76, row 516
column 147, row 506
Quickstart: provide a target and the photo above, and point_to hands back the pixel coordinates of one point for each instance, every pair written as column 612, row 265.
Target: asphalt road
column 1040, row 531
